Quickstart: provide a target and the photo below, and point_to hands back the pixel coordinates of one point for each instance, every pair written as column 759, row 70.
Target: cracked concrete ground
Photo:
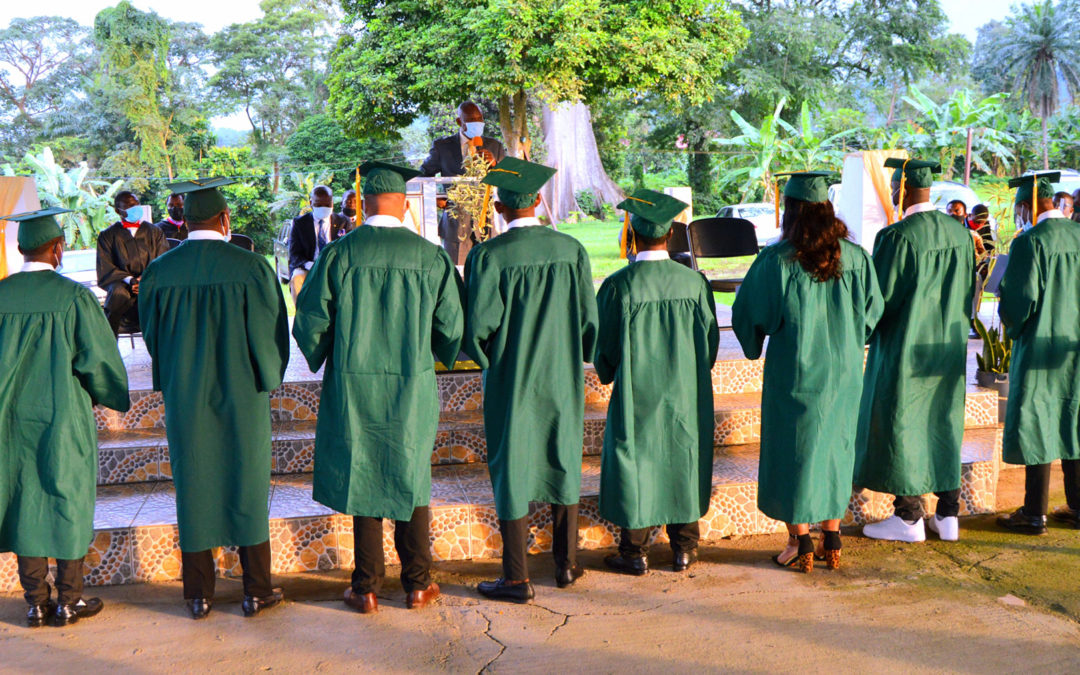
column 990, row 603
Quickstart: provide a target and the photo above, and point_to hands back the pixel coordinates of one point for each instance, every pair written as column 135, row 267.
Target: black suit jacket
column 120, row 255
column 445, row 157
column 302, row 238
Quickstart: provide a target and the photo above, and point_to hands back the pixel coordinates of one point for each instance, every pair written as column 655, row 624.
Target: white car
column 81, row 266
column 761, row 214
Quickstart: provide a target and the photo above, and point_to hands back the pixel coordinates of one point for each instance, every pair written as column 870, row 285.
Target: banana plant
column 301, row 196
column 756, row 149
column 942, row 129
column 997, row 349
column 807, row 149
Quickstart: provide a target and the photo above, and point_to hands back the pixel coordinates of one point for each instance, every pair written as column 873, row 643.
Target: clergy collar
column 921, row 207
column 178, row 223
column 651, row 255
column 529, row 221
column 207, row 235
column 382, row 220
column 1052, row 213
column 36, row 267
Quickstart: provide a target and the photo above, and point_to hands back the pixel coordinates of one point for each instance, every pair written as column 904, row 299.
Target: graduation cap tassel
column 484, row 208
column 903, row 184
column 1034, row 202
column 776, row 202
column 624, row 237
column 359, row 195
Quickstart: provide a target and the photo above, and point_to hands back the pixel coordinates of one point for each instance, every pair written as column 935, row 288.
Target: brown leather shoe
column 421, row 599
column 365, row 603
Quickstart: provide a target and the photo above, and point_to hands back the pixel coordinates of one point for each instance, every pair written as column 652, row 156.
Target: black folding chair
column 721, row 238
column 679, row 246
column 243, row 241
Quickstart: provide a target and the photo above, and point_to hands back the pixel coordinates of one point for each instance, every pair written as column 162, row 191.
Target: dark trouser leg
column 255, row 562
column 948, row 503
column 684, row 536
column 909, row 508
column 199, row 573
column 370, row 570
column 69, row 581
column 413, row 543
column 32, row 576
column 564, row 534
column 634, row 543
column 1036, row 489
column 120, row 302
column 515, row 536
column 1071, row 469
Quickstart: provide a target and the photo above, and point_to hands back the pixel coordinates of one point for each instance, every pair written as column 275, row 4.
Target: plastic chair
column 679, row 246
column 721, row 238
column 243, row 241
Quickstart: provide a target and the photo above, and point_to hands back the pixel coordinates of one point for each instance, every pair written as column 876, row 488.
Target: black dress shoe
column 501, row 589
column 624, row 564
column 1022, row 523
column 253, row 606
column 200, row 608
column 83, row 609
column 566, row 576
column 1064, row 514
column 39, row 615
column 683, row 560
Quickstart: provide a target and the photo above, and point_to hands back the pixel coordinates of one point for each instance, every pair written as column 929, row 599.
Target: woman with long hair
column 816, row 296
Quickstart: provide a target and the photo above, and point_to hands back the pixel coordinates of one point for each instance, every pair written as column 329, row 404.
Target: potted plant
column 993, row 363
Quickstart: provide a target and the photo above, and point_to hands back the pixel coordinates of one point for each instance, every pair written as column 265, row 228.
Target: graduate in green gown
column 214, row 321
column 657, row 343
column 531, row 324
column 58, row 357
column 376, row 304
column 1041, row 313
column 911, row 421
column 814, row 294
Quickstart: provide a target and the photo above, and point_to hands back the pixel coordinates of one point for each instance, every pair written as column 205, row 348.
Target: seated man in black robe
column 124, row 250
column 173, row 225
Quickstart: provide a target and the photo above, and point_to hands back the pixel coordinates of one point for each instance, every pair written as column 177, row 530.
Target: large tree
column 41, row 60
column 400, row 59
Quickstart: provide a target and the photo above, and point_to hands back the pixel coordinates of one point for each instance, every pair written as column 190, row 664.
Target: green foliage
column 996, row 350
column 586, row 200
column 41, row 60
column 319, row 144
column 249, row 199
column 942, row 130
column 90, row 200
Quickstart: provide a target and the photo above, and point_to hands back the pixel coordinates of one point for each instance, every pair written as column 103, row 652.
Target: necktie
column 321, row 241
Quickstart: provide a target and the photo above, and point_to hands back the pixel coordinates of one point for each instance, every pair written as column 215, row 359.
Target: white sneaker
column 896, row 528
column 947, row 529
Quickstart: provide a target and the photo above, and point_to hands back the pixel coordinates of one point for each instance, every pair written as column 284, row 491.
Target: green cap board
column 518, row 181
column 919, row 172
column 807, row 186
column 384, row 177
column 37, row 228
column 652, row 212
column 1025, row 186
column 202, row 199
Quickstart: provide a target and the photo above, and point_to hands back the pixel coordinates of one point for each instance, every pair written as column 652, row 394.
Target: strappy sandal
column 802, row 558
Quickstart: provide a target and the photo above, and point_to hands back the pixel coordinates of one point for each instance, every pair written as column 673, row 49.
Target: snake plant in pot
column 993, row 362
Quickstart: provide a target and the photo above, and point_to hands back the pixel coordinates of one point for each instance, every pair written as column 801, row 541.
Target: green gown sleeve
column 895, row 264
column 874, row 303
column 147, row 300
column 315, row 310
column 1019, row 287
column 609, row 338
column 448, row 324
column 709, row 303
column 96, row 361
column 587, row 298
column 483, row 306
column 267, row 323
column 757, row 310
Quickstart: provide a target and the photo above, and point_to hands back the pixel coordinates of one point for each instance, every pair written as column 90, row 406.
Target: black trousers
column 200, row 572
column 412, row 540
column 122, row 308
column 911, row 508
column 515, row 536
column 684, row 538
column 36, row 590
column 1037, row 486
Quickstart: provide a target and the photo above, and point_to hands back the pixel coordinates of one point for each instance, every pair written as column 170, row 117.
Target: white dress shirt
column 921, row 207
column 36, row 267
column 380, row 220
column 528, row 221
column 208, row 235
column 1052, row 213
column 644, row 256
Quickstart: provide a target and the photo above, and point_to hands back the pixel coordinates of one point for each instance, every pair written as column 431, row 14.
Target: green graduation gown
column 375, row 305
column 813, row 376
column 531, row 324
column 657, row 342
column 911, row 421
column 1040, row 309
column 215, row 324
column 58, row 357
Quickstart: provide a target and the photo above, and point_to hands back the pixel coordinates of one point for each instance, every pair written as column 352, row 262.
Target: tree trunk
column 1046, row 145
column 507, row 126
column 571, row 148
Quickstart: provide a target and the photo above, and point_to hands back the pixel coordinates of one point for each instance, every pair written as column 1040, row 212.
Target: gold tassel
column 624, row 237
column 776, row 201
column 482, row 225
column 1035, row 200
column 903, row 182
column 359, row 197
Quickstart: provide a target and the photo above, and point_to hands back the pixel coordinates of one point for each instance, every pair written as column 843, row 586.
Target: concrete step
column 136, row 455
column 136, row 538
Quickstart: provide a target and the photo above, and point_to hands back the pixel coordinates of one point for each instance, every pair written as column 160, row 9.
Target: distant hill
column 231, row 138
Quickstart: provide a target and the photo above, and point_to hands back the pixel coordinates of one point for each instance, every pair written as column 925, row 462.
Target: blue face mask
column 474, row 129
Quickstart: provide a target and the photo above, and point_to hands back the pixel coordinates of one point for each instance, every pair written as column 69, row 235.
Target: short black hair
column 980, row 208
column 1058, row 197
column 649, row 242
column 122, row 197
column 957, row 201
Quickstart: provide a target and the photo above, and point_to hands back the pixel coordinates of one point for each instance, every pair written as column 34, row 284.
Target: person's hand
column 135, row 285
column 441, row 202
column 486, row 154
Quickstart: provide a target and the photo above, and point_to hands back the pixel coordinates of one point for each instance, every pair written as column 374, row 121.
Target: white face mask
column 321, row 212
column 474, row 129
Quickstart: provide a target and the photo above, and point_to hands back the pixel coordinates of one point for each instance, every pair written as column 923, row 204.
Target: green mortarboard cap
column 37, row 228
column 384, row 177
column 1025, row 186
column 807, row 186
column 652, row 212
column 919, row 172
column 202, row 199
column 518, row 181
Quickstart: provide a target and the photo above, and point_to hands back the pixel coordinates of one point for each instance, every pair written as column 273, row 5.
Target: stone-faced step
column 135, row 537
